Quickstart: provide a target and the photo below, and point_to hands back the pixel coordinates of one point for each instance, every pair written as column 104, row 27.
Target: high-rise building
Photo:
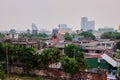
column 87, row 25
column 63, row 28
column 84, row 22
column 34, row 28
column 55, row 31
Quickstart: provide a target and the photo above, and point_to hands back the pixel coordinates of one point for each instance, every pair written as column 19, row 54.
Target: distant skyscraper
column 84, row 22
column 34, row 28
column 87, row 25
column 63, row 28
column 55, row 31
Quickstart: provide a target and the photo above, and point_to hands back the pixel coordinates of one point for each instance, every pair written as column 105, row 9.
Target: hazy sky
column 20, row 14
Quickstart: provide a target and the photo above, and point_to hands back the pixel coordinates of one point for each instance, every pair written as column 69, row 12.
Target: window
column 108, row 45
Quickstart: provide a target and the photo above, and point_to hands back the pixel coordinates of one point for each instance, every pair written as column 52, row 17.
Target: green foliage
column 68, row 37
column 20, row 55
column 12, row 31
column 2, row 35
column 1, row 68
column 106, row 35
column 73, row 35
column 74, row 60
column 117, row 54
column 2, row 54
column 45, row 58
column 80, row 48
column 118, row 71
column 42, row 35
column 55, row 55
column 44, row 44
column 48, row 56
column 70, row 65
column 82, row 62
column 117, row 46
column 79, row 56
column 73, row 51
column 70, row 50
column 27, row 55
column 2, row 74
column 111, row 35
column 37, row 35
column 87, row 35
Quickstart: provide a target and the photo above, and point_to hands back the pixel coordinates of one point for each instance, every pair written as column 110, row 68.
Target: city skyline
column 20, row 14
column 87, row 25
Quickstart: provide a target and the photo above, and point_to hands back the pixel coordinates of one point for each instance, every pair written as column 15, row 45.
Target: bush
column 2, row 75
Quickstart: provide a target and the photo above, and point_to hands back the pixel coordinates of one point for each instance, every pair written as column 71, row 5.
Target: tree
column 117, row 54
column 2, row 53
column 74, row 35
column 12, row 31
column 68, row 37
column 1, row 35
column 28, row 31
column 74, row 55
column 44, row 44
column 69, row 65
column 106, row 35
column 70, row 50
column 5, row 47
column 45, row 58
column 110, row 35
column 48, row 56
column 117, row 46
column 82, row 62
column 118, row 71
column 2, row 74
column 43, row 35
column 36, row 35
column 87, row 35
column 27, row 56
column 55, row 55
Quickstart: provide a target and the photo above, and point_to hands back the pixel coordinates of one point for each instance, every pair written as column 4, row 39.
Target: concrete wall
column 57, row 74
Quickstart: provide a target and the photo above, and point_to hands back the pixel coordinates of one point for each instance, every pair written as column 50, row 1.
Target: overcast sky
column 20, row 14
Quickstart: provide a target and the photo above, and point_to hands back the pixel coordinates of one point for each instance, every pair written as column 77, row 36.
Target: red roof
column 84, row 41
column 92, row 41
column 93, row 56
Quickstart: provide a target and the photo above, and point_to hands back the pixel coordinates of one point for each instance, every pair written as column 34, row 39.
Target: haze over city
column 20, row 14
